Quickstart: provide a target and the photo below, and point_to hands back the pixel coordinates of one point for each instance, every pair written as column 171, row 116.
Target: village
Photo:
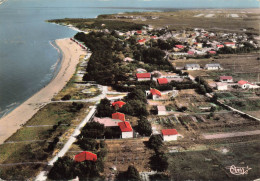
column 149, row 103
column 180, row 106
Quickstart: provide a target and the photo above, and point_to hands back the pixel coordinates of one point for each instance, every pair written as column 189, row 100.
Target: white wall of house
column 170, row 137
column 212, row 68
column 127, row 134
column 226, row 80
column 222, row 87
column 144, row 79
column 161, row 113
column 156, row 97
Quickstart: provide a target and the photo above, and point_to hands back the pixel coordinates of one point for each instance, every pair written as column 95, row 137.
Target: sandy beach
column 13, row 121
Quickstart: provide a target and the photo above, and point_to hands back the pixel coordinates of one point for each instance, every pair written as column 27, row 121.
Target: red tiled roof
column 119, row 104
column 119, row 116
column 139, row 31
column 242, row 82
column 85, row 156
column 229, row 43
column 220, row 46
column 125, row 127
column 155, row 92
column 225, row 77
column 169, row 132
column 143, row 75
column 153, row 37
column 191, row 52
column 212, row 52
column 179, row 46
column 142, row 40
column 162, row 81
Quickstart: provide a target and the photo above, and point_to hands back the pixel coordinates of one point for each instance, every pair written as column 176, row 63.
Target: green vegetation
column 135, row 104
column 144, row 127
column 155, row 142
column 130, row 175
column 59, row 117
column 104, row 108
column 99, row 24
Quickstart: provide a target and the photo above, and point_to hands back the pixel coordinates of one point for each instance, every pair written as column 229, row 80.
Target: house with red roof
column 179, row 46
column 143, row 76
column 156, row 94
column 142, row 41
column 170, row 134
column 226, row 79
column 212, row 52
column 119, row 116
column 230, row 44
column 139, row 32
column 247, row 85
column 162, row 81
column 118, row 104
column 85, row 155
column 126, row 129
column 220, row 46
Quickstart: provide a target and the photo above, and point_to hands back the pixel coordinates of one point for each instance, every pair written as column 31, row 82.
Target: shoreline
column 11, row 122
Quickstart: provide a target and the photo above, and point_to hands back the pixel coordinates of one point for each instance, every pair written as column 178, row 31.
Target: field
column 26, row 151
column 217, row 20
column 241, row 67
column 214, row 162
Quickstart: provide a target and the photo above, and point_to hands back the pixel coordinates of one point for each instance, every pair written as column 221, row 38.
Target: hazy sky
column 180, row 3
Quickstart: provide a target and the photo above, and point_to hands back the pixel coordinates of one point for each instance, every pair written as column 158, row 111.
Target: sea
column 28, row 55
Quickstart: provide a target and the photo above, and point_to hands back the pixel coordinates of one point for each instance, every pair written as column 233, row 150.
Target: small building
column 247, row 85
column 85, row 155
column 221, row 86
column 126, row 129
column 212, row 66
column 154, row 37
column 119, row 116
column 142, row 41
column 169, row 134
column 143, row 76
column 192, row 66
column 156, row 94
column 230, row 44
column 212, row 52
column 220, row 46
column 128, row 59
column 226, row 79
column 162, row 81
column 118, row 104
column 140, row 70
column 179, row 46
column 161, row 110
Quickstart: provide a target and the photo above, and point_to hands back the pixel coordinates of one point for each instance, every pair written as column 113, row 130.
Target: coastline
column 10, row 123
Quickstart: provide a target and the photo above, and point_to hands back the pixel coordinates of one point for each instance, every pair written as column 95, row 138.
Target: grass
column 211, row 164
column 51, row 114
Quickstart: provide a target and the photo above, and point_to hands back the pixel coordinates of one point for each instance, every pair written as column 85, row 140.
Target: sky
column 180, row 3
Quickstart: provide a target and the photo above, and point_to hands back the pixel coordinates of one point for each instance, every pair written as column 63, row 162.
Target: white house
column 126, row 129
column 161, row 110
column 226, row 79
column 213, row 66
column 221, row 86
column 192, row 67
column 247, row 85
column 170, row 134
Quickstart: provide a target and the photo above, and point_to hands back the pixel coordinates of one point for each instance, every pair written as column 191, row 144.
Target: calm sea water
column 28, row 60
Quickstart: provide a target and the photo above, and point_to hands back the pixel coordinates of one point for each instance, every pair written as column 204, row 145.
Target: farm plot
column 218, row 122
